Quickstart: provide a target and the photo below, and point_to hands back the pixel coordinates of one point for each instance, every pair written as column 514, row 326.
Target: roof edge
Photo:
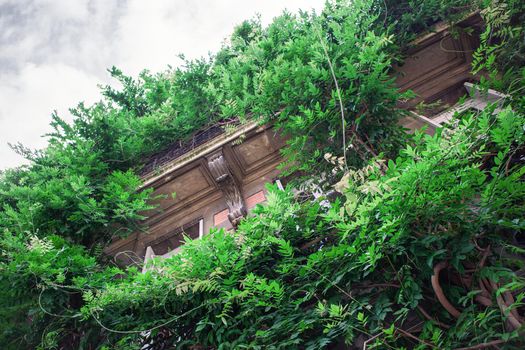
column 197, row 152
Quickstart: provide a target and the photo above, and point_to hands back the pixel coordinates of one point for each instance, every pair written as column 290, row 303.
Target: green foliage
column 299, row 275
column 70, row 192
column 503, row 38
column 295, row 274
column 36, row 288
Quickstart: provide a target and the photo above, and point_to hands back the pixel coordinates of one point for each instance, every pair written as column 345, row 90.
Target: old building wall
column 436, row 69
column 224, row 179
column 221, row 179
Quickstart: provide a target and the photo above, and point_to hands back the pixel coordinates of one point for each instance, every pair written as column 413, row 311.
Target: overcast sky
column 54, row 53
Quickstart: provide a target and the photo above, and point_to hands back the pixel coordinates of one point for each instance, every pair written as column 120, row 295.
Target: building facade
column 218, row 177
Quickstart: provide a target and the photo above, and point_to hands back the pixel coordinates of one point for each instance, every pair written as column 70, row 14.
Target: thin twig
column 365, row 344
column 338, row 94
column 50, row 313
column 430, row 318
column 483, row 345
column 147, row 330
column 410, row 335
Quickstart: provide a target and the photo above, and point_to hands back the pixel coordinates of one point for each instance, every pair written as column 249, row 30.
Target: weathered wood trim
column 211, row 192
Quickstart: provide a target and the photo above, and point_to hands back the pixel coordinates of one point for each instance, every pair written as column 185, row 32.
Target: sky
column 55, row 53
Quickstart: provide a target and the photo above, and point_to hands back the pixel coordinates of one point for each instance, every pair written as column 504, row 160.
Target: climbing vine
column 420, row 246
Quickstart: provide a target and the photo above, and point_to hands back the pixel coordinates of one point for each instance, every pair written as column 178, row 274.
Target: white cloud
column 152, row 34
column 54, row 53
column 27, row 102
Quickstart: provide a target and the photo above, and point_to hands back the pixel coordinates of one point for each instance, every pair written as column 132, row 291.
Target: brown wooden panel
column 257, row 153
column 254, row 149
column 412, row 123
column 184, row 186
column 441, row 55
column 437, row 66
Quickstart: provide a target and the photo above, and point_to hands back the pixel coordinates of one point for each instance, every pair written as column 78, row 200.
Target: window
column 174, row 240
column 167, row 245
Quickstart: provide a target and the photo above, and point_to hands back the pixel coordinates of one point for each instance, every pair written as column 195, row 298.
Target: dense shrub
column 300, row 275
column 294, row 275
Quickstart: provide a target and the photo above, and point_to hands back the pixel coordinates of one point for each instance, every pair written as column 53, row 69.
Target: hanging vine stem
column 343, row 123
column 505, row 300
column 351, row 298
column 50, row 313
column 131, row 255
column 146, row 330
column 430, row 318
column 439, row 291
column 513, row 319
